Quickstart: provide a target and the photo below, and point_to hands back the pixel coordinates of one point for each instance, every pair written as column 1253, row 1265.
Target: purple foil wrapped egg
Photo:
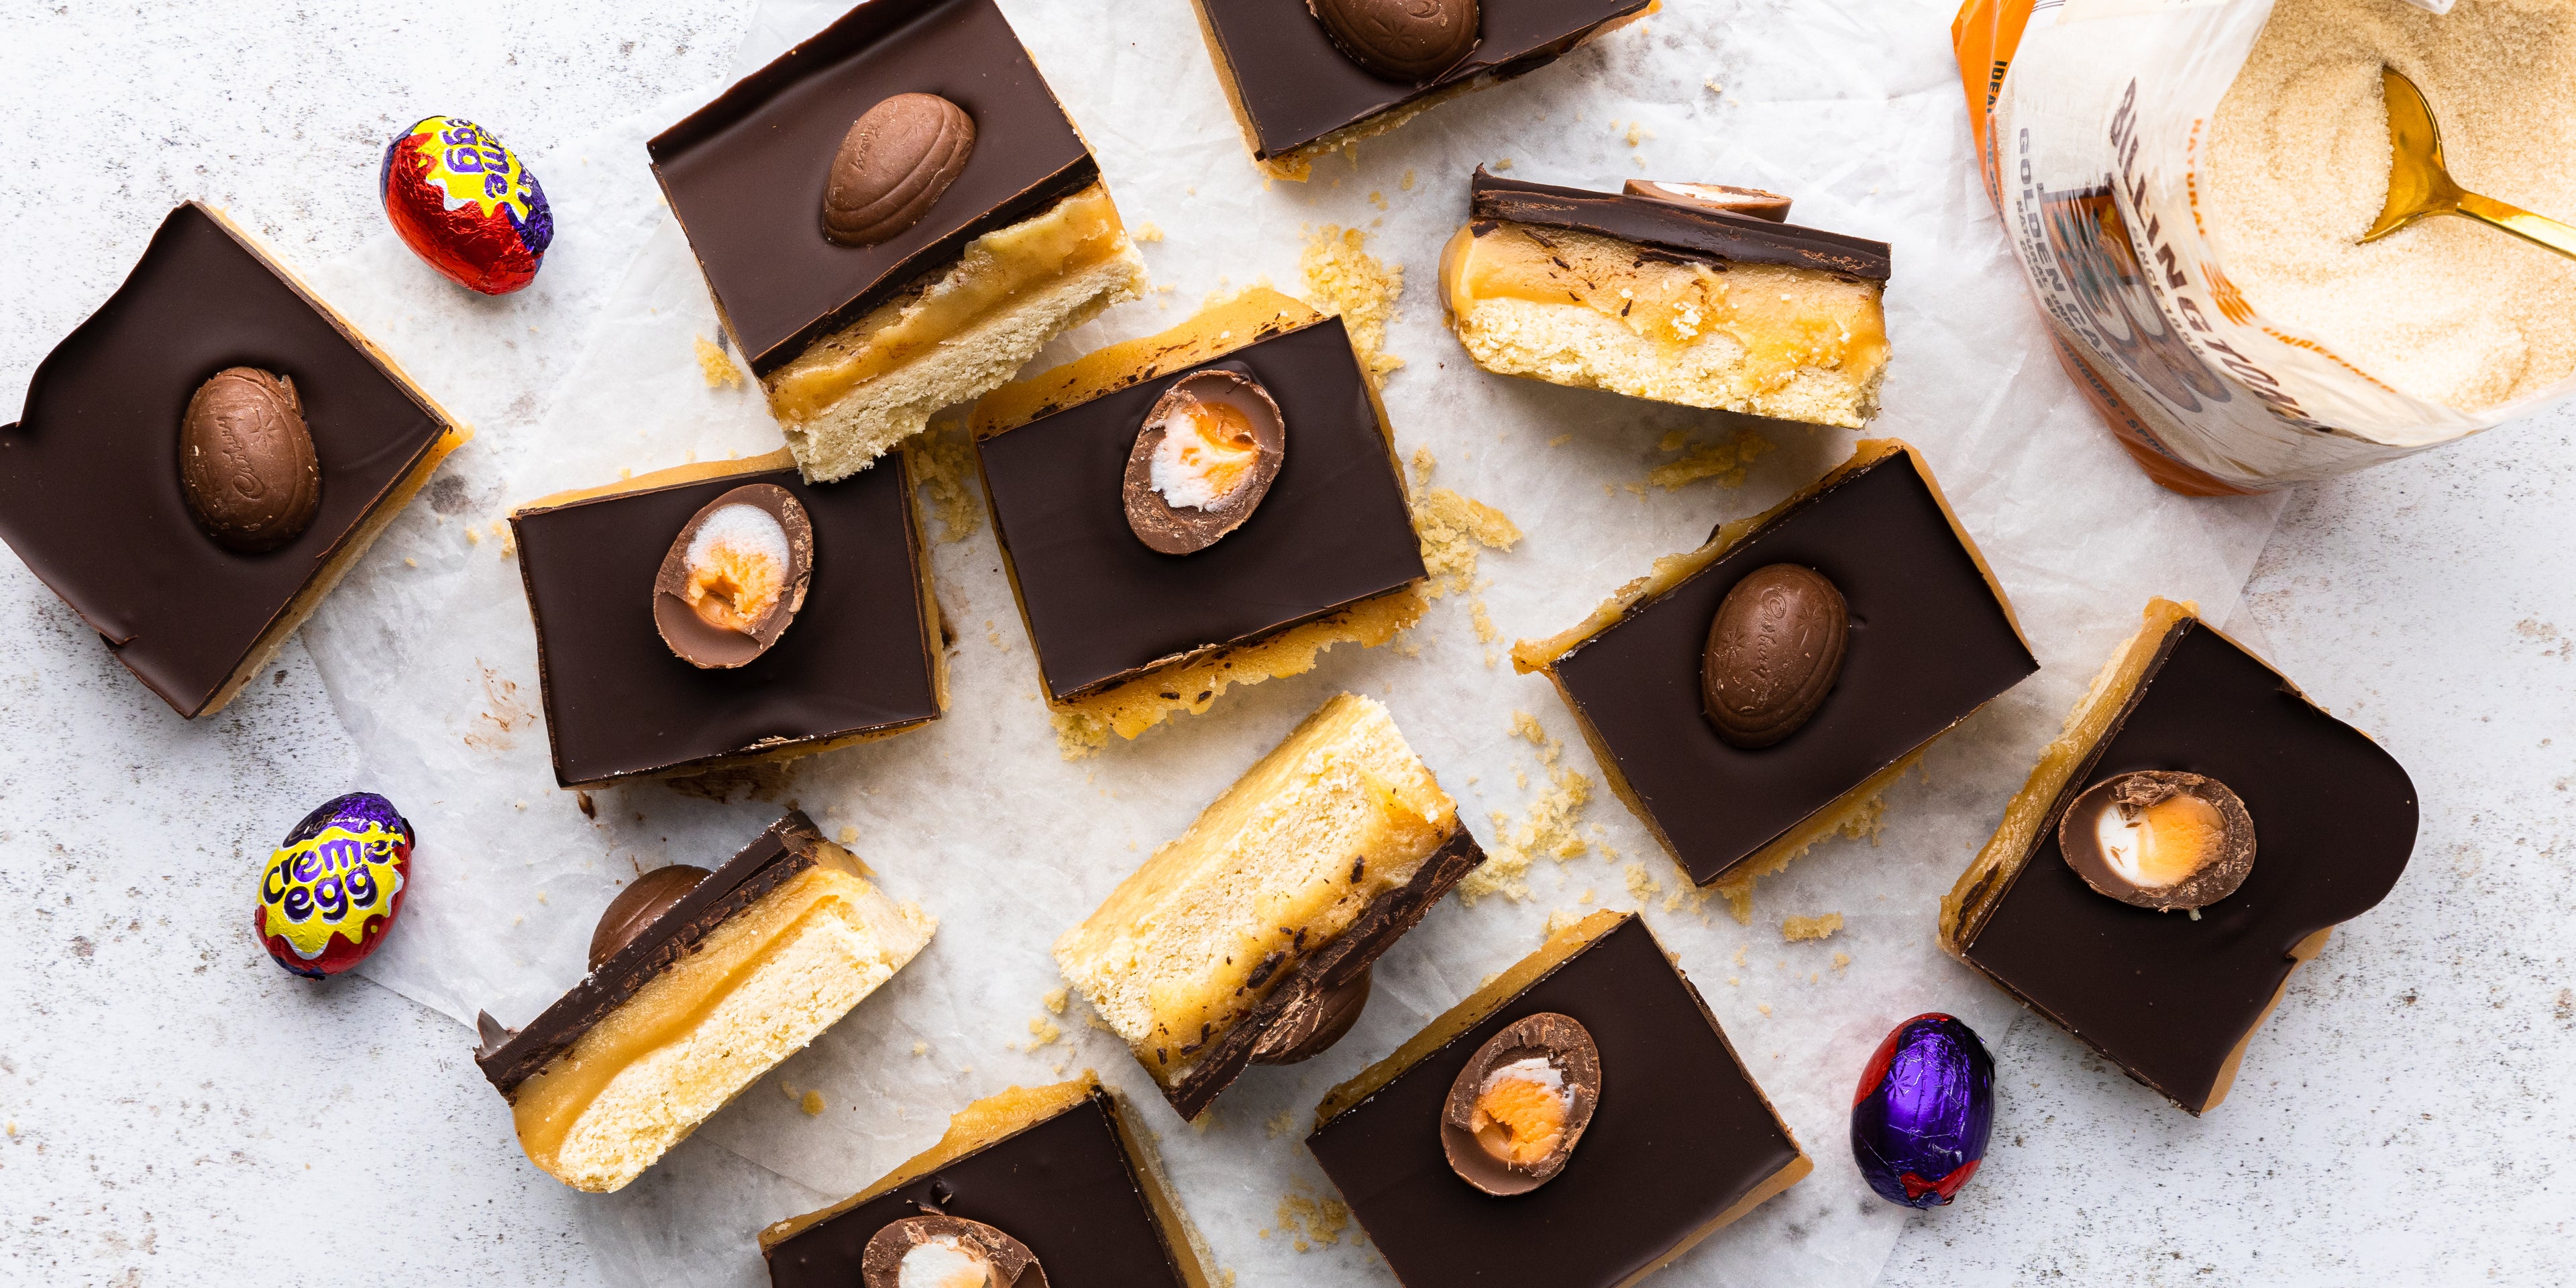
column 333, row 888
column 1924, row 1109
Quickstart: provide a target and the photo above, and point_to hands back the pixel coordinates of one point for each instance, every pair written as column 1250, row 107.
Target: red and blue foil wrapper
column 466, row 205
column 332, row 890
column 1925, row 1107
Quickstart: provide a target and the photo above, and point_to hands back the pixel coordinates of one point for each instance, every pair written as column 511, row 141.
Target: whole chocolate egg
column 334, row 886
column 466, row 204
column 1924, row 1109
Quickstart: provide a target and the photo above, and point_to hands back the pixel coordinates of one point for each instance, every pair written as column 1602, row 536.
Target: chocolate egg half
column 1925, row 1107
column 1206, row 455
column 1520, row 1106
column 2158, row 838
column 332, row 889
column 466, row 205
column 935, row 1248
column 735, row 577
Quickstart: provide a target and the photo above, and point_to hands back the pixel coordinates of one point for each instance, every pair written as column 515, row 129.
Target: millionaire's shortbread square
column 1248, row 939
column 202, row 460
column 1687, row 293
column 1035, row 1187
column 1580, row 1121
column 1307, row 79
column 700, row 982
column 2192, row 837
column 1209, row 506
column 1756, row 695
column 713, row 616
column 893, row 216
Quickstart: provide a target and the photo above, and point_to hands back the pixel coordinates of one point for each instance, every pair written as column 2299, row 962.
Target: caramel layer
column 1786, row 320
column 1077, row 233
column 550, row 1104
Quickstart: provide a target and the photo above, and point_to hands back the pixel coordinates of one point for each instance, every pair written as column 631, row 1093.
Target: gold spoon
column 2418, row 185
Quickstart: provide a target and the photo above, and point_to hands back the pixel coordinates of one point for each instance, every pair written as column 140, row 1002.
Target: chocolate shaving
column 777, row 855
column 1712, row 236
column 1340, row 964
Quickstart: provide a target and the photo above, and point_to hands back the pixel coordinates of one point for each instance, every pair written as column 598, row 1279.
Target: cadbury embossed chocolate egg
column 1925, row 1106
column 466, row 204
column 334, row 887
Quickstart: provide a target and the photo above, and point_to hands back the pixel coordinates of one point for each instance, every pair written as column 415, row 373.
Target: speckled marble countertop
column 178, row 1110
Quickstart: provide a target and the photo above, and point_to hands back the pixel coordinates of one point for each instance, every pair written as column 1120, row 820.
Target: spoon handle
column 2520, row 222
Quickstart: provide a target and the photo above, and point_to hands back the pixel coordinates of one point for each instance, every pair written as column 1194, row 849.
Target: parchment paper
column 1851, row 108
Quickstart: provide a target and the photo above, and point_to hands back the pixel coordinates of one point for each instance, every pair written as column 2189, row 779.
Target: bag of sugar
column 2185, row 183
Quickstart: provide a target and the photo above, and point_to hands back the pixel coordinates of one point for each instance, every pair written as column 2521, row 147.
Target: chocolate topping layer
column 1681, row 1135
column 619, row 703
column 787, row 848
column 90, row 490
column 746, row 173
column 1065, row 1188
column 1684, row 231
column 1297, row 87
column 1333, row 529
column 1312, row 983
column 2165, row 997
column 1928, row 644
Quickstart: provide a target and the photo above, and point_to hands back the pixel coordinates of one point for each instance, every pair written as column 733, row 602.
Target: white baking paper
column 1851, row 108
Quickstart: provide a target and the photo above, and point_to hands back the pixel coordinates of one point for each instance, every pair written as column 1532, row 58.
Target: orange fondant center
column 2171, row 840
column 1214, row 446
column 734, row 588
column 1519, row 1121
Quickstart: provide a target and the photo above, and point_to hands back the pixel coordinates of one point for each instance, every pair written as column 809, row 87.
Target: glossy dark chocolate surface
column 1064, row 1187
column 776, row 855
column 1680, row 1136
column 1334, row 528
column 1298, row 87
column 619, row 702
column 2164, row 996
column 745, row 174
column 90, row 493
column 1929, row 643
column 1690, row 232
